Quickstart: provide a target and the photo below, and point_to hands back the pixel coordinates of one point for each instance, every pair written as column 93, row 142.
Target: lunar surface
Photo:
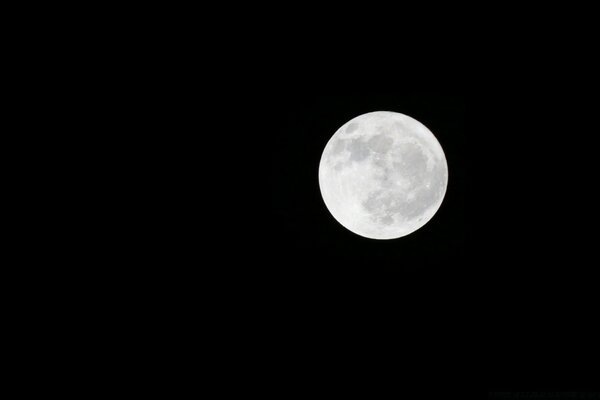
column 383, row 175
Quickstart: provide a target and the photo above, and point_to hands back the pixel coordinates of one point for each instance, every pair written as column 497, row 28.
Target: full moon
column 383, row 175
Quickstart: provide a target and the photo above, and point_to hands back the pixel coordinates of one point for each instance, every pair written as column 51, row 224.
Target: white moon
column 383, row 175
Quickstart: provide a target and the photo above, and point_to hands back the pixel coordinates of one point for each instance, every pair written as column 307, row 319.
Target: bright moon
column 383, row 175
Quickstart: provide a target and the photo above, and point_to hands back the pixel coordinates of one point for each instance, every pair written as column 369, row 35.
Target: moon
column 383, row 175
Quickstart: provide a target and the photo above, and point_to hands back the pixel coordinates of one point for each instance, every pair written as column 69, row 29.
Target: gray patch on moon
column 387, row 220
column 399, row 126
column 352, row 126
column 338, row 166
column 378, row 162
column 413, row 163
column 387, row 204
column 413, row 157
column 381, row 205
column 380, row 201
column 422, row 200
column 338, row 146
column 386, row 180
column 381, row 143
column 358, row 151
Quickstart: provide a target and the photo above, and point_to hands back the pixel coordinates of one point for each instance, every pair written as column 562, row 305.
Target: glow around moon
column 383, row 175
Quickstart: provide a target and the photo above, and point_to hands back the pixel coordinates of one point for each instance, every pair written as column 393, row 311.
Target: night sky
column 482, row 282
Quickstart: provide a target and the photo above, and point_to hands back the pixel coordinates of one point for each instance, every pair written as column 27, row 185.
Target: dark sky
column 496, row 288
column 483, row 281
column 210, row 220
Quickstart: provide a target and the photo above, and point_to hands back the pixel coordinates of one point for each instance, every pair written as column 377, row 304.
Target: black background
column 496, row 292
column 323, row 298
column 489, row 291
column 188, row 196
